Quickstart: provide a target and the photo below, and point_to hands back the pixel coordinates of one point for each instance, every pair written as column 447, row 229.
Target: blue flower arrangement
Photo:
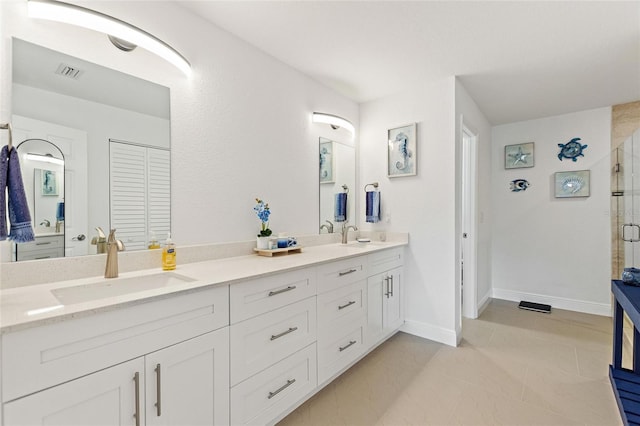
column 263, row 212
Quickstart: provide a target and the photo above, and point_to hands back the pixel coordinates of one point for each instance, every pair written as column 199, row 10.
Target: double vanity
column 236, row 340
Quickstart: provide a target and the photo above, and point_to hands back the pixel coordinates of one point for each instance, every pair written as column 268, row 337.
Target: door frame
column 469, row 220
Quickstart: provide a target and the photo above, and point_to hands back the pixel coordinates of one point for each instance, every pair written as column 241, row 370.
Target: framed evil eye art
column 518, row 156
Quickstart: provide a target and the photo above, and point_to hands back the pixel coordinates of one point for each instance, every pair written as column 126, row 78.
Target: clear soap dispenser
column 169, row 255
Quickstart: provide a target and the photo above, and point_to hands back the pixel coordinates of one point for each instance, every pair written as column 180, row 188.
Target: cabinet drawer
column 343, row 272
column 262, row 398
column 336, row 352
column 50, row 243
column 255, row 297
column 345, row 302
column 384, row 260
column 41, row 254
column 264, row 340
column 40, row 357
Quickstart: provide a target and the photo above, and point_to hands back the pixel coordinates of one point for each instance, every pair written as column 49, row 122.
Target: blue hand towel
column 21, row 230
column 60, row 211
column 373, row 206
column 340, row 207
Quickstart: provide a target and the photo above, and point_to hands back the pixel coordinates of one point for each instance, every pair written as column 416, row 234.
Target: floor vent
column 538, row 307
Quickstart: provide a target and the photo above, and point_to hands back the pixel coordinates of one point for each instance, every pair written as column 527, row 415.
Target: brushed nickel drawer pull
column 284, row 333
column 42, row 257
column 136, row 380
column 347, row 305
column 158, row 391
column 43, row 244
column 273, row 293
column 391, row 279
column 388, row 291
column 281, row 388
column 350, row 271
column 351, row 343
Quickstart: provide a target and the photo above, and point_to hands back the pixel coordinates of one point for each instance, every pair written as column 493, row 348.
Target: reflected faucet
column 46, row 223
column 345, row 231
column 113, row 247
column 329, row 227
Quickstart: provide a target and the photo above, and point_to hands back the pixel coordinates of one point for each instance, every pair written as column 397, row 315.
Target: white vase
column 262, row 243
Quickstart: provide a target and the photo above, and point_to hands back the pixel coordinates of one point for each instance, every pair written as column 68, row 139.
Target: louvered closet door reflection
column 140, row 193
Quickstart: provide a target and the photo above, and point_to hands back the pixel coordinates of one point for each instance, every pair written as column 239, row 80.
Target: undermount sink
column 117, row 287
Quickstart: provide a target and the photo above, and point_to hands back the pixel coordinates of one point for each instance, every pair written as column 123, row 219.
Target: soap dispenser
column 169, row 255
column 153, row 241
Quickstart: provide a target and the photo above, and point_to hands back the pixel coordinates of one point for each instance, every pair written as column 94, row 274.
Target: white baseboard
column 484, row 303
column 431, row 332
column 556, row 302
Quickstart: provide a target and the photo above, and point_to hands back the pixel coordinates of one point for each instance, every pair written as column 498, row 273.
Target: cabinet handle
column 391, row 279
column 347, row 305
column 386, row 280
column 43, row 244
column 281, row 388
column 136, row 380
column 42, row 257
column 158, row 391
column 350, row 271
column 284, row 333
column 351, row 343
column 273, row 293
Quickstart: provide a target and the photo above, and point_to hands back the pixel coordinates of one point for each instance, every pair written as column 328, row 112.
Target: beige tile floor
column 513, row 367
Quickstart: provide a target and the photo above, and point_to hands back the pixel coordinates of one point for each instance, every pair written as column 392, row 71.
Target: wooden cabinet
column 107, row 397
column 385, row 310
column 44, row 247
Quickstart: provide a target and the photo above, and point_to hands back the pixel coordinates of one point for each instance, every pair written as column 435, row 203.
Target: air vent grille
column 69, row 71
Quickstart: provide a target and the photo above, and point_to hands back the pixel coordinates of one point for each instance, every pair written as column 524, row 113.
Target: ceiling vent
column 69, row 71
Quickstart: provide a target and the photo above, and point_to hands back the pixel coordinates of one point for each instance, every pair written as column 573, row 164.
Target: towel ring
column 346, row 188
column 374, row 184
column 8, row 127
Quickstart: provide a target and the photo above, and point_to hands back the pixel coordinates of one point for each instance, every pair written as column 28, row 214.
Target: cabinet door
column 392, row 297
column 376, row 286
column 107, row 397
column 188, row 383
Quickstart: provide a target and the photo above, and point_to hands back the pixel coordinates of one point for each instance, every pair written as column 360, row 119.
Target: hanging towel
column 60, row 211
column 340, row 207
column 21, row 230
column 373, row 206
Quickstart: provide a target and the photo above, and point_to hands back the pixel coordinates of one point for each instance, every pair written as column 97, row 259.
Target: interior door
column 73, row 144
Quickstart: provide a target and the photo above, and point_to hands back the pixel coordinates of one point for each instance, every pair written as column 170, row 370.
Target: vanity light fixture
column 334, row 121
column 126, row 34
column 45, row 158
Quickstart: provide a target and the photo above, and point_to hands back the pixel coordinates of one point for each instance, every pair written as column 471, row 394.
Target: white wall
column 469, row 112
column 240, row 124
column 424, row 205
column 547, row 249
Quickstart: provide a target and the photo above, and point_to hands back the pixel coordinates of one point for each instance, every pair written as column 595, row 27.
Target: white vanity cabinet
column 342, row 314
column 385, row 307
column 273, row 351
column 101, row 368
column 44, row 247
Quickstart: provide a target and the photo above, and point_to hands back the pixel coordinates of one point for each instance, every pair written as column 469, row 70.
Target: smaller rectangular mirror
column 337, row 175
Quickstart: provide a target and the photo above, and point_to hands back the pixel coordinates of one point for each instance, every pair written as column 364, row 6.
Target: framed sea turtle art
column 571, row 150
column 518, row 156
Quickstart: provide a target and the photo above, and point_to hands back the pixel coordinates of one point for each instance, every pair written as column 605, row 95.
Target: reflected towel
column 373, row 207
column 340, row 207
column 21, row 230
column 60, row 211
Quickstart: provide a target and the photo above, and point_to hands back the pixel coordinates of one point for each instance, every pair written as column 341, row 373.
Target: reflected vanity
column 103, row 124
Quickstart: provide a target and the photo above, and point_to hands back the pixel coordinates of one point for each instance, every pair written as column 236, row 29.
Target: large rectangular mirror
column 337, row 176
column 113, row 131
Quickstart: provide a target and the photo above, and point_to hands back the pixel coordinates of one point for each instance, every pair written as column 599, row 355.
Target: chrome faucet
column 113, row 247
column 328, row 227
column 46, row 223
column 345, row 231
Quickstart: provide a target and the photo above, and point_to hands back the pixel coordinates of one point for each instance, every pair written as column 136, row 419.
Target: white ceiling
column 518, row 60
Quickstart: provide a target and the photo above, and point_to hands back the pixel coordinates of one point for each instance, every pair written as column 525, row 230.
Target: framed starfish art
column 518, row 156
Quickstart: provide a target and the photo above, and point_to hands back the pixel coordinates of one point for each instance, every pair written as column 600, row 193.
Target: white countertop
column 36, row 305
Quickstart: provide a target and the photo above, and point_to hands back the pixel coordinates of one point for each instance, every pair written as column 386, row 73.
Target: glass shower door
column 629, row 182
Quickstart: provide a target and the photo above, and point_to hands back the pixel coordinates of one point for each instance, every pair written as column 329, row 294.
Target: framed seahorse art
column 402, row 158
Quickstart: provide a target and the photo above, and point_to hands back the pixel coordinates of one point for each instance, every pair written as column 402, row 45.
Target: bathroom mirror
column 336, row 176
column 54, row 93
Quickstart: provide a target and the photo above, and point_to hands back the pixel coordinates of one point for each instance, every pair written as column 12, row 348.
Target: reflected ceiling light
column 126, row 34
column 45, row 158
column 334, row 121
